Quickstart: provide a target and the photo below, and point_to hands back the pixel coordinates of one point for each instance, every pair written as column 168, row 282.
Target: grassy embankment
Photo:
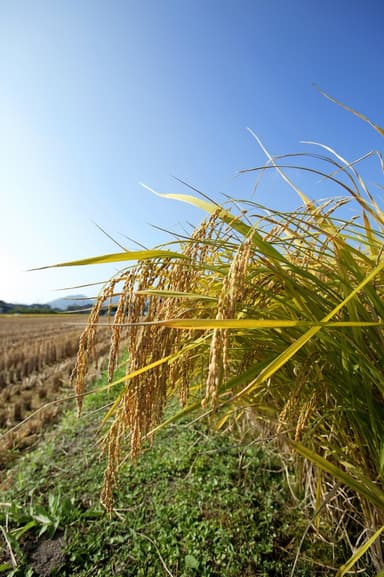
column 195, row 504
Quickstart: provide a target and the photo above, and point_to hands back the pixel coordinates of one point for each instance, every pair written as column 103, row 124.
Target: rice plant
column 266, row 317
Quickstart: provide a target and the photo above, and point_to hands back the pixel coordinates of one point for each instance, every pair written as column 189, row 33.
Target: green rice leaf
column 286, row 355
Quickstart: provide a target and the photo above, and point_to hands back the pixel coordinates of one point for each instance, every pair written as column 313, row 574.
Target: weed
column 195, row 504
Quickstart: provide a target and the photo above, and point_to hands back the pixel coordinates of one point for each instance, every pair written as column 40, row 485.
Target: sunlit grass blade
column 359, row 553
column 118, row 257
column 288, row 353
column 208, row 207
column 352, row 110
column 365, row 488
column 175, row 294
column 254, row 324
column 308, row 203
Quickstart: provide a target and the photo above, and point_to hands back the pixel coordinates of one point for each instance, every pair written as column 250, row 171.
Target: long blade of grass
column 367, row 488
column 231, row 220
column 175, row 294
column 136, row 255
column 308, row 203
column 359, row 553
column 254, row 324
column 208, row 207
column 352, row 110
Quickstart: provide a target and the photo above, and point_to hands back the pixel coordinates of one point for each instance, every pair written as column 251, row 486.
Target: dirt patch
column 46, row 555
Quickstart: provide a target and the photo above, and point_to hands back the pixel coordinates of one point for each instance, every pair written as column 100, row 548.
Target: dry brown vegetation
column 37, row 356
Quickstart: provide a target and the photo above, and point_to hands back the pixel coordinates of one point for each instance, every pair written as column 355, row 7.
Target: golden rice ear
column 112, row 446
column 125, row 298
column 87, row 343
column 231, row 296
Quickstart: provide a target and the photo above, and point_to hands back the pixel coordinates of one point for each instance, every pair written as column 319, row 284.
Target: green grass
column 197, row 503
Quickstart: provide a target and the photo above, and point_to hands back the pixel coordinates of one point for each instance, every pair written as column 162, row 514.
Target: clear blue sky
column 96, row 96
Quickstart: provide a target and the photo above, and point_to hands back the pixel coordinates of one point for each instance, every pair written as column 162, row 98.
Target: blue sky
column 96, row 96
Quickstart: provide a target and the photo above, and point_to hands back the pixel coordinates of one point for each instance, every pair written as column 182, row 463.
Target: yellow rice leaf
column 223, row 420
column 358, row 114
column 373, row 246
column 233, row 221
column 254, row 324
column 208, row 207
column 205, row 205
column 166, row 293
column 119, row 257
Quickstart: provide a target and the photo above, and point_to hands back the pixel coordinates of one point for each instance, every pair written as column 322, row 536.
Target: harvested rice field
column 37, row 356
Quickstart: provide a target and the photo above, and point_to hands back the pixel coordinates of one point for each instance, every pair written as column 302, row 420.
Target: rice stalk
column 277, row 313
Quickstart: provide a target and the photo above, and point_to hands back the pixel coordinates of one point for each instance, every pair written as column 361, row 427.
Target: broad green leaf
column 44, row 519
column 20, row 531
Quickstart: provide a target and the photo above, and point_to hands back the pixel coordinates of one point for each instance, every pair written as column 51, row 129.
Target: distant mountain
column 79, row 303
column 71, row 301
